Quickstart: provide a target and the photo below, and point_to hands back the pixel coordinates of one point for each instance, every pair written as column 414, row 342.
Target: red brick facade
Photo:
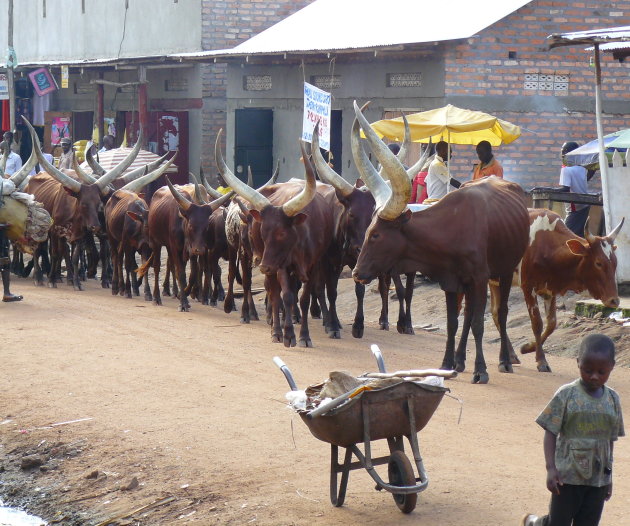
column 225, row 25
column 482, row 67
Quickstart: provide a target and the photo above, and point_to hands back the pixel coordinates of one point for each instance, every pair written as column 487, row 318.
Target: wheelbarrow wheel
column 401, row 474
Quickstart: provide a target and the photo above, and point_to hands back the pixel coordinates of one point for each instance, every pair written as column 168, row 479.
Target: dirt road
column 191, row 406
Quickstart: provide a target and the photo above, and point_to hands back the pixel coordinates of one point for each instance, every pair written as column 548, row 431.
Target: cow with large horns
column 557, row 261
column 358, row 205
column 170, row 213
column 126, row 220
column 471, row 235
column 73, row 205
column 292, row 229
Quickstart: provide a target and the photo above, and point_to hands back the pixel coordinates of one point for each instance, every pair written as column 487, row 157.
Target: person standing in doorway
column 574, row 179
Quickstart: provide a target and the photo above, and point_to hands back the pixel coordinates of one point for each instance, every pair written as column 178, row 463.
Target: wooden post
column 143, row 105
column 603, row 160
column 100, row 109
column 10, row 82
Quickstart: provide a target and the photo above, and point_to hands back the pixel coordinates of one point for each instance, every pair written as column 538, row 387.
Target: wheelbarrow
column 400, row 409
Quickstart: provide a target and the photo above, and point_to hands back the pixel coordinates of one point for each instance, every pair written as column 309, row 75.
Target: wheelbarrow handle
column 376, row 351
column 286, row 371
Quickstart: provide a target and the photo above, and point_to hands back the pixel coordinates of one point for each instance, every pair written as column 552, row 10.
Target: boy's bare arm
column 610, row 486
column 553, row 477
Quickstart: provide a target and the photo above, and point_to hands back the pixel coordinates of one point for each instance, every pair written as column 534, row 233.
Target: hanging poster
column 64, row 76
column 168, row 133
column 316, row 109
column 60, row 128
column 4, row 87
column 42, row 81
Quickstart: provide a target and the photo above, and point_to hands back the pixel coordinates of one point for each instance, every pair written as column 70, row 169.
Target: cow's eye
column 598, row 264
column 375, row 235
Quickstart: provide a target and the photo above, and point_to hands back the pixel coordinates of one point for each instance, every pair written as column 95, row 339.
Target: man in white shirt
column 437, row 179
column 14, row 161
column 574, row 179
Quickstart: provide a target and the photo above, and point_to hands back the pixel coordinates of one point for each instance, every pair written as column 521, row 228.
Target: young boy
column 581, row 422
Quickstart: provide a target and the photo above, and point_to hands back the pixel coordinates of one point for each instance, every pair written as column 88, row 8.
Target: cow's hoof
column 527, row 348
column 157, row 302
column 447, row 366
column 544, row 367
column 253, row 317
column 228, row 306
column 305, row 342
column 404, row 330
column 505, row 368
column 357, row 332
column 514, row 360
column 78, row 287
column 148, row 297
column 335, row 335
column 459, row 367
column 480, row 378
column 166, row 292
column 384, row 326
column 38, row 283
column 128, row 296
column 244, row 320
column 183, row 308
column 213, row 303
column 122, row 292
column 289, row 342
column 114, row 292
column 105, row 284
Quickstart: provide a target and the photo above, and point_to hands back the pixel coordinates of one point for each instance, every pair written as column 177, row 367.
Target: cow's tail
column 237, row 275
column 144, row 268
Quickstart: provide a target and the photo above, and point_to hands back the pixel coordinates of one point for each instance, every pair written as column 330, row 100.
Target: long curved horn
column 211, row 191
column 611, row 237
column 401, row 185
column 3, row 160
column 198, row 197
column 105, row 180
column 406, row 144
column 139, row 172
column 96, row 168
column 84, row 176
column 274, row 177
column 295, row 205
column 61, row 177
column 221, row 200
column 21, row 174
column 182, row 201
column 250, row 177
column 325, row 172
column 257, row 200
column 137, row 184
column 375, row 183
column 587, row 233
column 413, row 171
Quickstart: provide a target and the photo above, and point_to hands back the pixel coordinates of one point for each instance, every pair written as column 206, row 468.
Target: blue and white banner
column 316, row 109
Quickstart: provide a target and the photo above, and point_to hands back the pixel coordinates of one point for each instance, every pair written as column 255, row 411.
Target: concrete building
column 412, row 56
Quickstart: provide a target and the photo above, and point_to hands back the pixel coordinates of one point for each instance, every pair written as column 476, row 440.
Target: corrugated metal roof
column 593, row 36
column 332, row 25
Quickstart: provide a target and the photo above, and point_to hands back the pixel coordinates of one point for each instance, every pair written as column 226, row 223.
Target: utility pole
column 10, row 64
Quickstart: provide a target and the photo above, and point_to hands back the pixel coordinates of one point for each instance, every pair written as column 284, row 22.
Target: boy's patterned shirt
column 584, row 427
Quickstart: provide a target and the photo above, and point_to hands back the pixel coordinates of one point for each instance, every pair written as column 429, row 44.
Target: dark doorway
column 335, row 140
column 82, row 125
column 254, row 144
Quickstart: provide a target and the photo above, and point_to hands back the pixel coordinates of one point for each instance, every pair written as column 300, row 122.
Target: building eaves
column 590, row 38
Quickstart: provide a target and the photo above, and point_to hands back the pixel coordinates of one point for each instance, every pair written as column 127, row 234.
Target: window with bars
column 257, row 82
column 556, row 83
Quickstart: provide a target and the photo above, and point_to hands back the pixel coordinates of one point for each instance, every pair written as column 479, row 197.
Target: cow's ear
column 359, row 183
column 576, row 247
column 405, row 216
column 71, row 193
column 255, row 214
column 134, row 216
column 298, row 219
column 614, row 247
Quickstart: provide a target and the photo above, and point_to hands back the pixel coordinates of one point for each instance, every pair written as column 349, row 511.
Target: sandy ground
column 191, row 407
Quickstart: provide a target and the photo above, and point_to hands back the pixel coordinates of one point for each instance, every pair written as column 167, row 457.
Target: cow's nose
column 256, row 261
column 613, row 303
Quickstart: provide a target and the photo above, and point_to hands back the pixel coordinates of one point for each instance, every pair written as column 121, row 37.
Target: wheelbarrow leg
column 415, row 447
column 337, row 498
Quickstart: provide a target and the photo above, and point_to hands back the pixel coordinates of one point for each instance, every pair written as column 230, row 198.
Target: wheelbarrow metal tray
column 388, row 414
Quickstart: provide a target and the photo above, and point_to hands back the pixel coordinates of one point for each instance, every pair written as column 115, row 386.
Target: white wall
column 618, row 205
column 146, row 27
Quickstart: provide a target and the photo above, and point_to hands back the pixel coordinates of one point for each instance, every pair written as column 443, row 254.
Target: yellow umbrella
column 452, row 124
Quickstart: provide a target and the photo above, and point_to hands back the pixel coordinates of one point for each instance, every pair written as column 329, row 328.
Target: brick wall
column 481, row 67
column 225, row 25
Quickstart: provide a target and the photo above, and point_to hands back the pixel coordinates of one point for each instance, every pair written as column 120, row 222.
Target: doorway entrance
column 254, row 144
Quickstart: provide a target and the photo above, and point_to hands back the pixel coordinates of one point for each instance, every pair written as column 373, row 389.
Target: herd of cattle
column 301, row 234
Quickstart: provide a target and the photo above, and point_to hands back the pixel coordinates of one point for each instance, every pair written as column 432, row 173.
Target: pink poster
column 60, row 128
column 42, row 81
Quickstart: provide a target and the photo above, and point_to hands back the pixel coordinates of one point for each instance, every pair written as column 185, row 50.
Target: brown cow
column 556, row 262
column 74, row 207
column 471, row 235
column 126, row 220
column 291, row 232
column 358, row 206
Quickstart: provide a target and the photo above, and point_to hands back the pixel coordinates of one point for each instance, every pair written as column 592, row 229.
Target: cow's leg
column 316, row 311
column 130, row 267
column 38, row 277
column 383, row 289
column 332, row 281
column 120, row 266
column 495, row 299
column 537, row 327
column 249, row 306
column 106, row 265
column 550, row 311
column 91, row 253
column 116, row 272
column 192, row 289
column 218, row 293
column 273, row 307
column 180, row 274
column 135, row 282
column 448, row 361
column 287, row 286
column 157, row 300
column 405, row 296
column 305, row 300
column 228, row 302
column 505, row 357
column 478, row 300
column 166, row 286
column 358, row 324
column 54, row 248
column 76, row 262
column 66, row 251
column 146, row 253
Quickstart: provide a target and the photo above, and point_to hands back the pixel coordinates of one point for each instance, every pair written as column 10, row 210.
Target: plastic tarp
column 452, row 124
column 587, row 155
